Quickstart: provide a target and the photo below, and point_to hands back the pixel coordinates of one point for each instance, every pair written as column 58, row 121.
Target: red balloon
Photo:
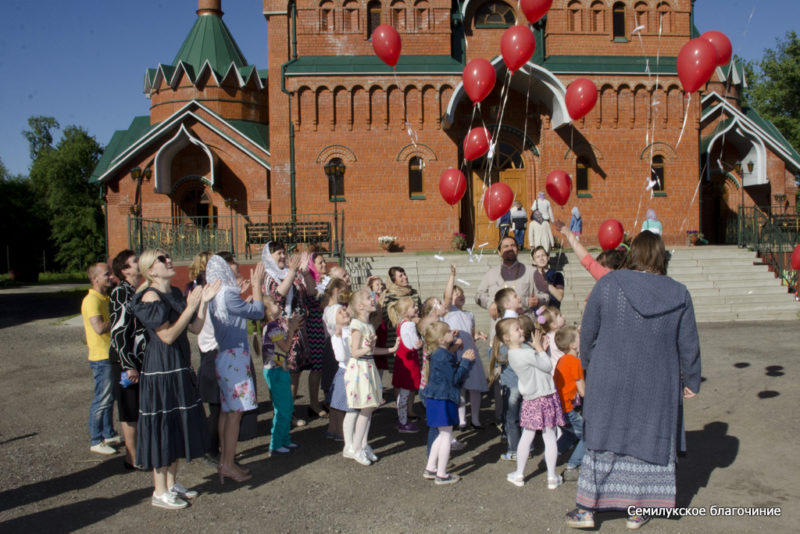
column 610, row 234
column 452, row 185
column 558, row 186
column 721, row 44
column 796, row 258
column 535, row 9
column 479, row 77
column 581, row 98
column 517, row 46
column 497, row 200
column 476, row 143
column 696, row 62
column 386, row 43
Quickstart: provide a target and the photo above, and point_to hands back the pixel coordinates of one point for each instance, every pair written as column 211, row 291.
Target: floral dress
column 297, row 358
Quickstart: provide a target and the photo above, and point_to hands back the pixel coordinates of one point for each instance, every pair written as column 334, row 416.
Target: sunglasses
column 163, row 258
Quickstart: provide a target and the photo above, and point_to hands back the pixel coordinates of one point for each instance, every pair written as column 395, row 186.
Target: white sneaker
column 456, row 445
column 116, row 441
column 182, row 492
column 102, row 448
column 553, row 483
column 349, row 453
column 361, row 457
column 370, row 454
column 168, row 500
column 517, row 480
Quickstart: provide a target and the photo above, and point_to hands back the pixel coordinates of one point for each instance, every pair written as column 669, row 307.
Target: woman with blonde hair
column 171, row 416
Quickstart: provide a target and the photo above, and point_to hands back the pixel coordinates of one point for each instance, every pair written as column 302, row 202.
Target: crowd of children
column 534, row 356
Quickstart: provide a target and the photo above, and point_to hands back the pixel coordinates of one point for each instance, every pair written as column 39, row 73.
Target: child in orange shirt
column 571, row 388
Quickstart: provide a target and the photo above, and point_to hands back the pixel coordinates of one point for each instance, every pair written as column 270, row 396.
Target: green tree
column 40, row 136
column 775, row 87
column 60, row 177
column 23, row 229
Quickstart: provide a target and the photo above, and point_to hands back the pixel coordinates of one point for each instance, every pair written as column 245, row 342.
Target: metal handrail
column 773, row 237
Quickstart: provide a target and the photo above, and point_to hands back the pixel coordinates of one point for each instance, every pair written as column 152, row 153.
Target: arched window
column 657, row 173
column 505, row 157
column 336, row 181
column 664, row 17
column 618, row 21
column 422, row 14
column 415, row 168
column 582, row 172
column 373, row 17
column 641, row 14
column 350, row 16
column 398, row 11
column 497, row 14
column 326, row 16
column 574, row 14
column 598, row 17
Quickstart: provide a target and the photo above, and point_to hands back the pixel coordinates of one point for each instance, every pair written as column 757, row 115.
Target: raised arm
column 448, row 289
column 208, row 292
column 169, row 332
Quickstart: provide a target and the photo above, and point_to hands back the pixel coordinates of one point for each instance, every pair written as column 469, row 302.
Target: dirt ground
column 741, row 454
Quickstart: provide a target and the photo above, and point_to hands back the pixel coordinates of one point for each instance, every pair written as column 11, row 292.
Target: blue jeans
column 519, row 237
column 512, row 403
column 280, row 389
column 101, row 412
column 571, row 434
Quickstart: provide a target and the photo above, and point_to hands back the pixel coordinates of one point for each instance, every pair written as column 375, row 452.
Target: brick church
column 233, row 154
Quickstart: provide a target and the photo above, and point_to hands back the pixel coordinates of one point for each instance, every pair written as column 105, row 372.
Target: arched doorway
column 192, row 200
column 507, row 166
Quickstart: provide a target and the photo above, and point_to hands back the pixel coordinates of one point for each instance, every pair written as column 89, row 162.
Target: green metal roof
column 140, row 127
column 359, row 65
column 120, row 141
column 209, row 40
column 209, row 45
column 255, row 131
column 610, row 65
column 772, row 130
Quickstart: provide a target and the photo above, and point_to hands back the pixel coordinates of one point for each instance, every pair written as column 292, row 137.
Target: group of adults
column 639, row 348
column 516, row 222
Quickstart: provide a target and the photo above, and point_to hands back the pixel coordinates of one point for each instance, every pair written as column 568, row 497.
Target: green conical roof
column 209, row 45
column 210, row 40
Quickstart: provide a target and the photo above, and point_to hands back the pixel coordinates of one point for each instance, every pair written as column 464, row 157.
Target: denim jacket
column 446, row 376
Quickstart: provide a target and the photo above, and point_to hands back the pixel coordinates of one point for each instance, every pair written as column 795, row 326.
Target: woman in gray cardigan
column 640, row 350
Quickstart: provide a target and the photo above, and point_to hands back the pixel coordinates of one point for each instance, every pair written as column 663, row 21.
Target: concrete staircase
column 726, row 282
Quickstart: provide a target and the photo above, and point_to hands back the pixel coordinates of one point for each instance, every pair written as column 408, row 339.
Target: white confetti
column 462, row 281
column 483, row 245
column 440, row 258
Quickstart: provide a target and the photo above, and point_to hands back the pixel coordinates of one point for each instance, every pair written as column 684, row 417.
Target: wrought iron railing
column 186, row 236
column 183, row 237
column 773, row 235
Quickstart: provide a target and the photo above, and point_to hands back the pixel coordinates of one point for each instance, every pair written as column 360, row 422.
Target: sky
column 84, row 62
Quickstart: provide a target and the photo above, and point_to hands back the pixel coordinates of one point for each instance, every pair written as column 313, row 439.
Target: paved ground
column 742, row 431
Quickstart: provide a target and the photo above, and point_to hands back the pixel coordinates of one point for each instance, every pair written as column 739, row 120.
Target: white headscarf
column 576, row 212
column 277, row 274
column 218, row 269
column 329, row 318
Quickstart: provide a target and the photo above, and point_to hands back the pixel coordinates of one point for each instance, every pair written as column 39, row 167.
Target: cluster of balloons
column 699, row 57
column 696, row 63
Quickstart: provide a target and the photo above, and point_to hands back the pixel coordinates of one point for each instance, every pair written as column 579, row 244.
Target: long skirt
column 610, row 481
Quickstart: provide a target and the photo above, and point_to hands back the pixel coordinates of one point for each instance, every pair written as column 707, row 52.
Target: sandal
column 636, row 521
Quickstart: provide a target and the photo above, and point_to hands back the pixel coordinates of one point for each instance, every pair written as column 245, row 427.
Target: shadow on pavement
column 19, row 308
column 707, row 449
